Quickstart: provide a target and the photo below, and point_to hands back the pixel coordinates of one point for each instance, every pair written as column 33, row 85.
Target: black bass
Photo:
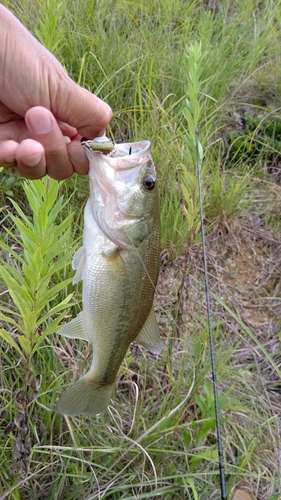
column 119, row 266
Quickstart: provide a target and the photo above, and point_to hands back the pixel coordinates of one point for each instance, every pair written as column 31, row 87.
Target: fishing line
column 211, row 339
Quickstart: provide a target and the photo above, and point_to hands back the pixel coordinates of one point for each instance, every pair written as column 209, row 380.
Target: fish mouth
column 126, row 158
column 130, row 149
column 105, row 146
column 129, row 155
column 114, row 179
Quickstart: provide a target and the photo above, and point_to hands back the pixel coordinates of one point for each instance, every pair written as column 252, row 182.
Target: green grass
column 158, row 439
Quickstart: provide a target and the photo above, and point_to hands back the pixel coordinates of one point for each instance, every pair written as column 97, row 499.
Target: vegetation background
column 165, row 67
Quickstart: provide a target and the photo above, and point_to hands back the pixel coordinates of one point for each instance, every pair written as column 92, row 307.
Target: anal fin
column 149, row 335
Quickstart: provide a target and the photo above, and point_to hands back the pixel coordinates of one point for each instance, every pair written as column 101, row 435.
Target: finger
column 30, row 159
column 67, row 130
column 78, row 156
column 80, row 108
column 11, row 134
column 8, row 154
column 14, row 130
column 43, row 128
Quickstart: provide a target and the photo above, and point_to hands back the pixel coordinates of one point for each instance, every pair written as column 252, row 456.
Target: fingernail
column 67, row 139
column 12, row 159
column 40, row 122
column 32, row 160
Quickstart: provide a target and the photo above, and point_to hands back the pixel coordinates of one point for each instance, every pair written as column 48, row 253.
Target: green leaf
column 25, row 344
column 46, row 296
column 42, row 216
column 10, row 251
column 64, row 304
column 8, row 338
column 9, row 311
column 56, row 210
column 13, row 236
column 8, row 319
column 20, row 213
column 28, row 235
column 52, row 194
column 49, row 243
column 31, row 276
column 35, row 260
column 186, row 437
column 52, row 328
column 63, row 226
column 30, row 324
column 189, row 481
column 204, row 429
column 63, row 262
column 207, row 454
column 10, row 271
column 61, row 249
column 19, row 294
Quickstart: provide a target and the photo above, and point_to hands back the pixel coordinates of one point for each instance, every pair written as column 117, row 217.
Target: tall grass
column 159, row 438
column 134, row 56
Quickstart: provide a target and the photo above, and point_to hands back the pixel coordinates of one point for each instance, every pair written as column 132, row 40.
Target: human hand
column 43, row 113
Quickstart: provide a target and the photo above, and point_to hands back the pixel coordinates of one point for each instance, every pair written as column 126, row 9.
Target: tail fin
column 84, row 397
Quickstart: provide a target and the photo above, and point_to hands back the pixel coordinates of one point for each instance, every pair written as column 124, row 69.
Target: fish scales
column 119, row 266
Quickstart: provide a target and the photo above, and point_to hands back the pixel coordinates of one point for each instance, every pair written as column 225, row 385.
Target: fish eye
column 149, row 182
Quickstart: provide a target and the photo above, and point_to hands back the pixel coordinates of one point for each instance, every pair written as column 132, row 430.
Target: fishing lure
column 102, row 144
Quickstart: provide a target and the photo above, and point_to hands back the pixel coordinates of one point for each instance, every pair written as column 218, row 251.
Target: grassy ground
column 158, row 439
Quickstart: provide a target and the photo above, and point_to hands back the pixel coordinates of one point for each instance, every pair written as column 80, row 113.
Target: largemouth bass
column 119, row 266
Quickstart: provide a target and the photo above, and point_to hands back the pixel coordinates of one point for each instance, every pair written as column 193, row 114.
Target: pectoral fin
column 78, row 264
column 75, row 329
column 149, row 335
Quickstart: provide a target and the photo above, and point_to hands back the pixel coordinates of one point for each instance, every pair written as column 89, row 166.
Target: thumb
column 81, row 109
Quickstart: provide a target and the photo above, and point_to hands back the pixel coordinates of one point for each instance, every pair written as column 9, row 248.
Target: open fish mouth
column 130, row 149
column 137, row 152
column 122, row 178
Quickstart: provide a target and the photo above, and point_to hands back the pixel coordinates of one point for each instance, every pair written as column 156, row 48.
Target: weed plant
column 168, row 69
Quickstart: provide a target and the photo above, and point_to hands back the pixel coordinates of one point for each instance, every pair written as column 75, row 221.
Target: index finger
column 43, row 128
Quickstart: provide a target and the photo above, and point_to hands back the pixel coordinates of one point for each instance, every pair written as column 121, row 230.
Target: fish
column 119, row 265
